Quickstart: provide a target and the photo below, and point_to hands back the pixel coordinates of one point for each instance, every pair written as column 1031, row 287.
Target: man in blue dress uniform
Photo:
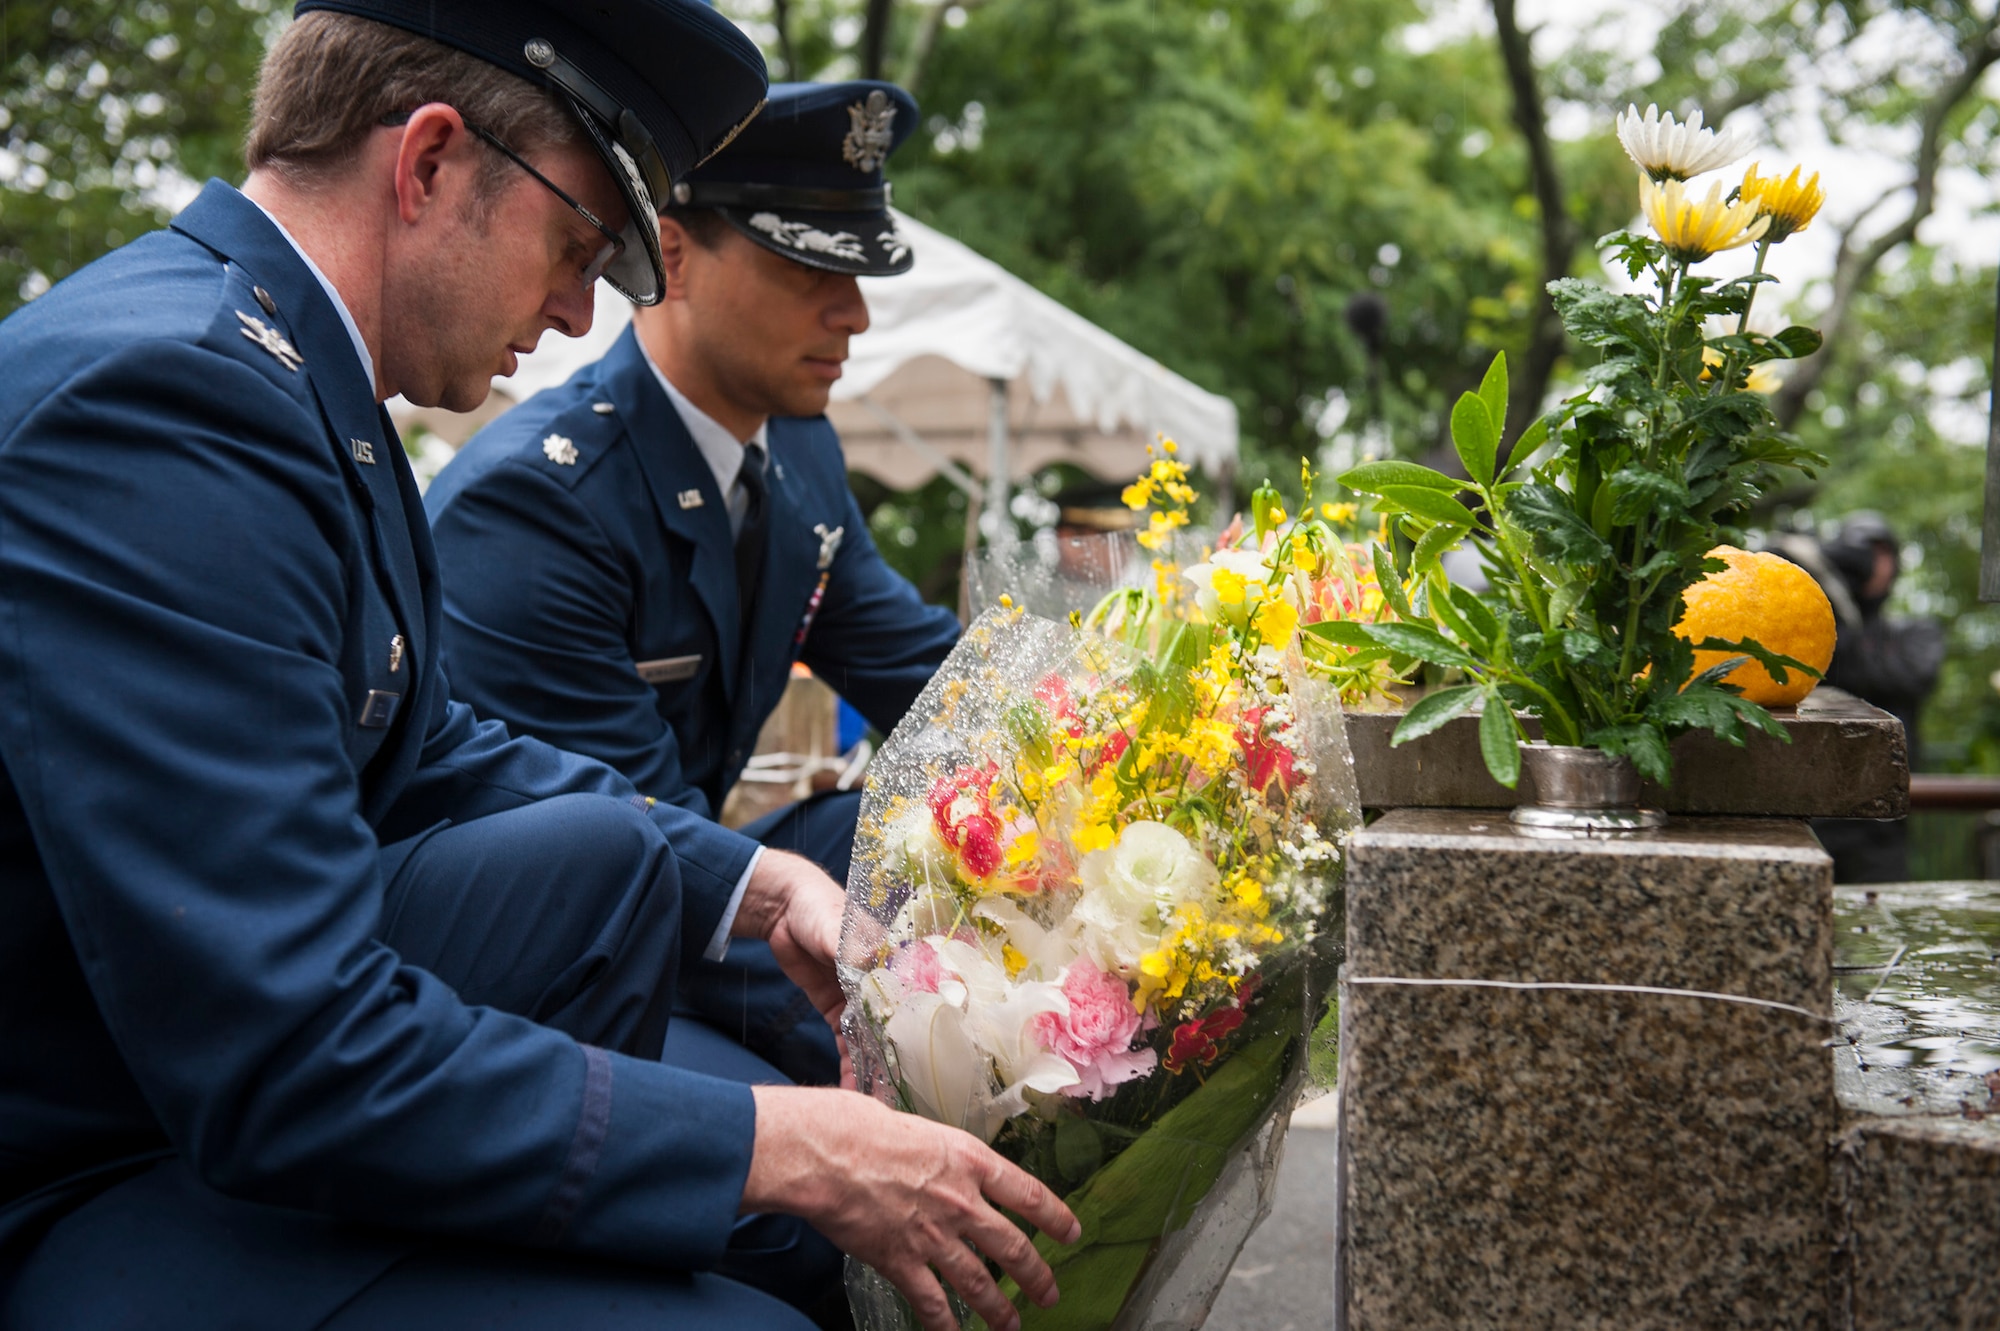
column 634, row 560
column 327, row 1005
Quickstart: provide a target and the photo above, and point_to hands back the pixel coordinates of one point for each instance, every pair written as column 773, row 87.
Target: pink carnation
column 1096, row 1035
column 918, row 967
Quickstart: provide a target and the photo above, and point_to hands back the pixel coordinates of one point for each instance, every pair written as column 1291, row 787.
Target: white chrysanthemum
column 1668, row 151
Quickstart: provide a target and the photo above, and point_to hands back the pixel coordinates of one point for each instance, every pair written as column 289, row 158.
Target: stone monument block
column 1586, row 1158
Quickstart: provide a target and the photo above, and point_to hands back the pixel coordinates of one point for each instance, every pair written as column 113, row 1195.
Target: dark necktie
column 750, row 538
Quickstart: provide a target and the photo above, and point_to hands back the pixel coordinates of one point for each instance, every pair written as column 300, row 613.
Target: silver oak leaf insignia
column 800, row 236
column 272, row 341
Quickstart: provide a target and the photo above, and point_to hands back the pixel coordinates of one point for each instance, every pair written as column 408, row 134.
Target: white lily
column 1668, row 151
column 968, row 1054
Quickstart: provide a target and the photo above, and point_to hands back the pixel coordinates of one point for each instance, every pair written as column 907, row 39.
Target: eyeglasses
column 613, row 245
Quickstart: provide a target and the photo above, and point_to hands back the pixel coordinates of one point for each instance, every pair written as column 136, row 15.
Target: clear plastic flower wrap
column 1092, row 917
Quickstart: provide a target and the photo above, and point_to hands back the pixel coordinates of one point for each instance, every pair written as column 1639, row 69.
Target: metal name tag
column 378, row 710
column 669, row 669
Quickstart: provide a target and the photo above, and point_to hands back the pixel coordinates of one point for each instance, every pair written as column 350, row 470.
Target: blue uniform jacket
column 566, row 571
column 201, row 572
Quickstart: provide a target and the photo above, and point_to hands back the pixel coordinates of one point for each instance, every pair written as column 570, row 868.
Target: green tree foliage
column 109, row 110
column 1217, row 183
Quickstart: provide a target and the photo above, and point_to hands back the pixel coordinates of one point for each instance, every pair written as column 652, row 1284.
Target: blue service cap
column 804, row 179
column 658, row 85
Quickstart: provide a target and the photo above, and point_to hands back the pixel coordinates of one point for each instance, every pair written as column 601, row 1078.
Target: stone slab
column 1586, row 1159
column 1846, row 759
column 1916, row 1206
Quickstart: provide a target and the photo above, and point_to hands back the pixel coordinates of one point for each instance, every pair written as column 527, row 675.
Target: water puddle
column 1917, row 992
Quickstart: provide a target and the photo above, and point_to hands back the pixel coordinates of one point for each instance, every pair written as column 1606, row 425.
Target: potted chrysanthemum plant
column 1606, row 510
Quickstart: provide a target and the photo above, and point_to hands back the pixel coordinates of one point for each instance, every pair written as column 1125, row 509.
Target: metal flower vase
column 1582, row 792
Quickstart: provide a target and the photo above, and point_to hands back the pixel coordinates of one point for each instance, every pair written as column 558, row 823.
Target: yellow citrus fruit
column 1767, row 599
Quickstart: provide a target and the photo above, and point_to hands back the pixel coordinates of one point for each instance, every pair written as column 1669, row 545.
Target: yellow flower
column 1095, row 837
column 1139, row 493
column 1169, row 447
column 1693, row 231
column 1303, row 557
column 1761, row 379
column 1277, row 515
column 1275, row 622
column 1229, row 587
column 1023, row 849
column 1790, row 205
column 1015, row 960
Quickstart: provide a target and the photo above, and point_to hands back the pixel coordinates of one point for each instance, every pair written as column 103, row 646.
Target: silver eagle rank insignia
column 870, row 135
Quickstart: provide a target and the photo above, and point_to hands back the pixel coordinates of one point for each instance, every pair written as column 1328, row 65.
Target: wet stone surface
column 1916, row 1186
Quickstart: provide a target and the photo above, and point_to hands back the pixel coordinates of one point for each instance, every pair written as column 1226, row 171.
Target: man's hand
column 905, row 1195
column 791, row 904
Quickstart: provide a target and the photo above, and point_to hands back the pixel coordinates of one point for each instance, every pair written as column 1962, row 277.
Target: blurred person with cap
column 641, row 592
column 1890, row 661
column 328, row 1004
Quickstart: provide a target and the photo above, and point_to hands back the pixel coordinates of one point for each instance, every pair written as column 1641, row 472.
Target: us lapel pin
column 364, row 452
column 689, row 499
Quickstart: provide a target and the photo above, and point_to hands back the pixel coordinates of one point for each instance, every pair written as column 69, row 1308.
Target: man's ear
column 677, row 248
column 436, row 149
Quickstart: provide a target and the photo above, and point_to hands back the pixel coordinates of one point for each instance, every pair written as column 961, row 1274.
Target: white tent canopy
column 958, row 348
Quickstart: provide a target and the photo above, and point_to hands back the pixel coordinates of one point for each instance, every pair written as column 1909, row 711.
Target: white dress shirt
column 721, row 450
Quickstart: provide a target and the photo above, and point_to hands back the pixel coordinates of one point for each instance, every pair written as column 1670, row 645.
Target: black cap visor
column 637, row 273
column 842, row 231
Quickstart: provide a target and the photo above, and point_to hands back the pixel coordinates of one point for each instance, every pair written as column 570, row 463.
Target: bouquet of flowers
column 1096, row 896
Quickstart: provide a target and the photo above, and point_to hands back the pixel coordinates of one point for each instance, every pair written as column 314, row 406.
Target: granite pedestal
column 1562, row 1158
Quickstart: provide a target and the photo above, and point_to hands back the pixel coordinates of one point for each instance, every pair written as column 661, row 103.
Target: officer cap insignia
column 812, row 240
column 559, row 450
column 264, row 300
column 272, row 341
column 829, row 543
column 689, row 499
column 871, row 132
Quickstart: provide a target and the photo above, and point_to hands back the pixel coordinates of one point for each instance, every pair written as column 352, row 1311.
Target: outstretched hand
column 914, row 1199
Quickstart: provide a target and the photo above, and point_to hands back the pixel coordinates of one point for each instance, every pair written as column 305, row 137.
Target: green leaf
column 1698, row 707
column 1152, row 1186
column 1475, row 634
column 1641, row 742
column 1478, row 617
column 1341, row 632
column 1499, row 741
column 1544, row 512
column 1474, row 434
column 1797, row 341
column 1391, row 582
column 1434, row 710
column 1531, row 439
column 1426, row 644
column 1371, row 477
column 1432, row 544
column 1079, row 1150
column 1493, row 392
column 1432, row 505
column 1636, row 492
column 1775, row 662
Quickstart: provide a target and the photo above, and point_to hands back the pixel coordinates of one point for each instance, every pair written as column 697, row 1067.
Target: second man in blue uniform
column 635, row 559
